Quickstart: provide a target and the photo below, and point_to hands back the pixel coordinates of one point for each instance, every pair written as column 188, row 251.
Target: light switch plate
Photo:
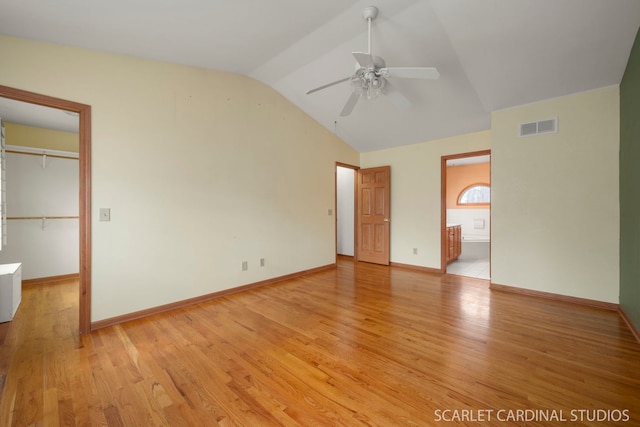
column 105, row 214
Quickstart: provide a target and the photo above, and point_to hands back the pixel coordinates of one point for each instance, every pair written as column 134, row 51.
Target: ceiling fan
column 370, row 78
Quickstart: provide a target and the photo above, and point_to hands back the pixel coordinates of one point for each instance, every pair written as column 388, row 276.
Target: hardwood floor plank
column 358, row 345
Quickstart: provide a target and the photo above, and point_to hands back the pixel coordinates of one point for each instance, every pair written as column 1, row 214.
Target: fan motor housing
column 378, row 63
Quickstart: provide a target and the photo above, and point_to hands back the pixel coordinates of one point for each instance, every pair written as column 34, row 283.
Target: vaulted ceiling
column 491, row 54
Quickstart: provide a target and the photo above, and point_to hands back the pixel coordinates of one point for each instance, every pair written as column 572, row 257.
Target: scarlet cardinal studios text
column 524, row 415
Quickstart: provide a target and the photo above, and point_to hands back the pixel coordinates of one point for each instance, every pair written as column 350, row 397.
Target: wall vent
column 539, row 127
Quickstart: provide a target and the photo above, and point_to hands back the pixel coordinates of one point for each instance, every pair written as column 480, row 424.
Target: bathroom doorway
column 466, row 214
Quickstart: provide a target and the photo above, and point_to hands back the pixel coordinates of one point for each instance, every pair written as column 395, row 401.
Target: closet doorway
column 84, row 203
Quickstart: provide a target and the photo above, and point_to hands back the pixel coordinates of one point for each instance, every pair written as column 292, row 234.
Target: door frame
column 84, row 145
column 443, row 202
column 355, row 207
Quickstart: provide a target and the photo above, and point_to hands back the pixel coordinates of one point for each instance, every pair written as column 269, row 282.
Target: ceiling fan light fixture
column 376, row 88
column 374, row 92
column 358, row 86
column 369, row 88
column 377, row 83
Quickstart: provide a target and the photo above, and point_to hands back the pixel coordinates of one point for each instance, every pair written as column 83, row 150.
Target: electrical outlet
column 261, row 262
column 415, row 251
column 245, row 265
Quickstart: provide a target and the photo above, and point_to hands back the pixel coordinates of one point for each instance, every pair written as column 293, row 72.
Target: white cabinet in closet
column 10, row 290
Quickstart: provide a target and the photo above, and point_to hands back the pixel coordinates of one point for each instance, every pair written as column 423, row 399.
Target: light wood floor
column 359, row 345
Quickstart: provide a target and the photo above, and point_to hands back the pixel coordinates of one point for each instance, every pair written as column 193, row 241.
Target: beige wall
column 201, row 169
column 416, row 193
column 555, row 204
column 554, row 212
column 29, row 136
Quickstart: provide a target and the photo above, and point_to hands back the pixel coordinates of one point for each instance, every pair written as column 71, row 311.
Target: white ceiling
column 37, row 115
column 468, row 160
column 491, row 54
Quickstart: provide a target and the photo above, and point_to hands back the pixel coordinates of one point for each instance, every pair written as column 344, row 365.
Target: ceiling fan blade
column 351, row 102
column 411, row 72
column 328, row 85
column 365, row 60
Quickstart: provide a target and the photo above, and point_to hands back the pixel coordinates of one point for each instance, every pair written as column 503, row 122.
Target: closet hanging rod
column 41, row 154
column 30, row 151
column 40, row 217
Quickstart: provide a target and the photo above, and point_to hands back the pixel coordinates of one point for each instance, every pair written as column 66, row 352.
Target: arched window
column 476, row 194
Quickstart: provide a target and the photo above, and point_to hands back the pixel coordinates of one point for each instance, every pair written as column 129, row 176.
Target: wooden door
column 374, row 203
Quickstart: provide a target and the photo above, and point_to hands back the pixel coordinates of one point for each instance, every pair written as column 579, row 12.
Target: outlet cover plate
column 105, row 214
